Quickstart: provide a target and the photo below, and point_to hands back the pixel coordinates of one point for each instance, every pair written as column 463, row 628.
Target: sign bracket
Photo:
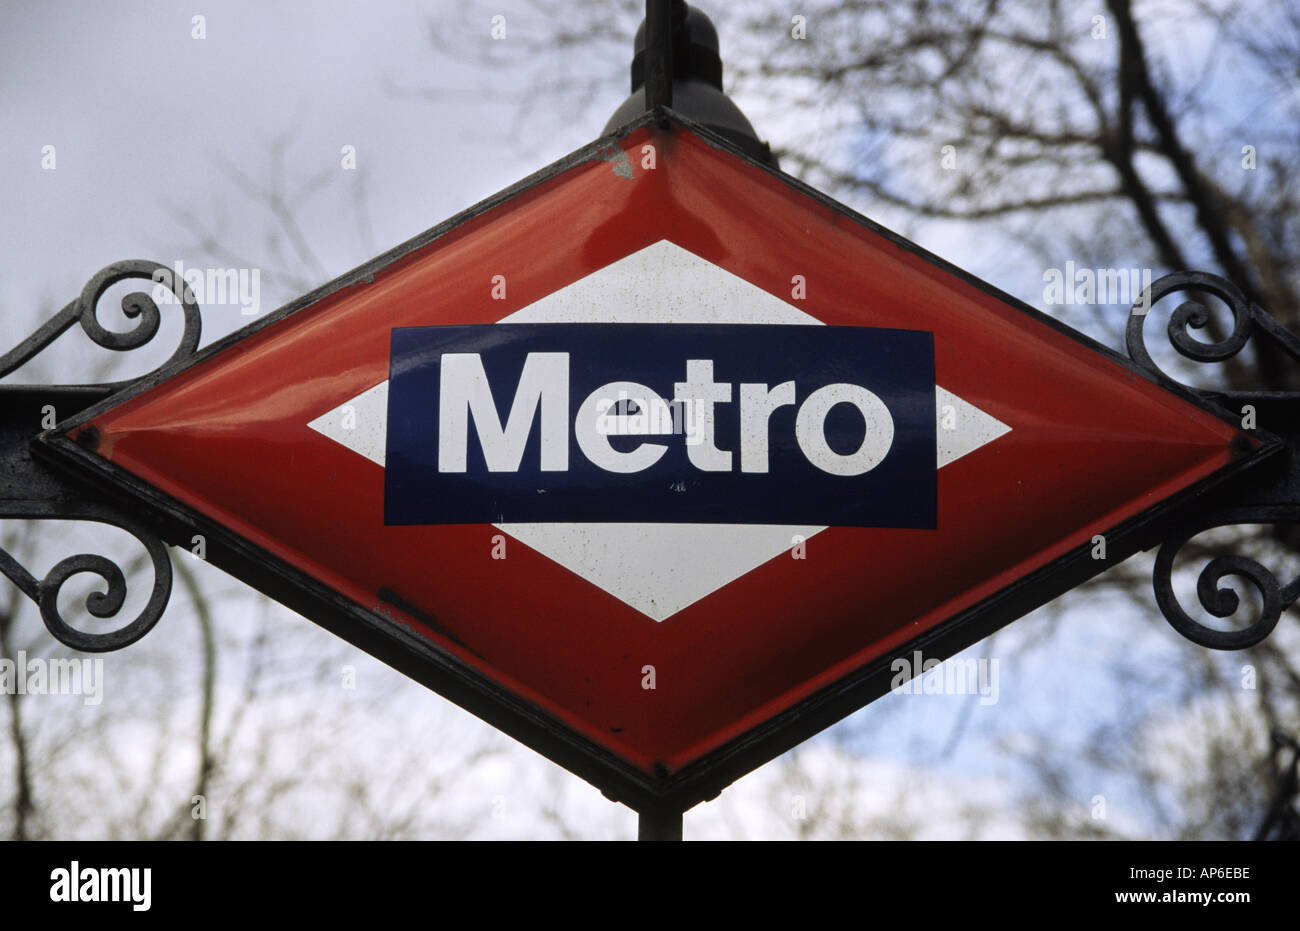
column 663, row 18
column 659, row 824
column 1272, row 496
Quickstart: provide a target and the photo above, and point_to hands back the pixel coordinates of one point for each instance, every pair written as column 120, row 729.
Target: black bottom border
column 976, row 880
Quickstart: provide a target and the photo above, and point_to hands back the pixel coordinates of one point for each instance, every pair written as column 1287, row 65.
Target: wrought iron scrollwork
column 137, row 306
column 1224, row 602
column 1275, row 504
column 102, row 604
column 1247, row 320
column 33, row 492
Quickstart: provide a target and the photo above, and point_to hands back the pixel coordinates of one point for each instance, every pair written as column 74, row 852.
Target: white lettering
column 810, row 429
column 464, row 393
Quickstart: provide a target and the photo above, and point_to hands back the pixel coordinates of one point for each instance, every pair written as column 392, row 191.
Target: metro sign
column 657, row 468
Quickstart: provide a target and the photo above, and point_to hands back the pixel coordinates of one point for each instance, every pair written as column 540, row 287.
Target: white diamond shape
column 658, row 569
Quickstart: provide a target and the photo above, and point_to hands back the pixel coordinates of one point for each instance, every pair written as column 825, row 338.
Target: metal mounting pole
column 658, row 54
column 677, row 68
column 662, row 824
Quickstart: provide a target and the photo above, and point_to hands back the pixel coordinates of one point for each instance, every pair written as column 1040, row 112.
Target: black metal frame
column 30, row 491
column 66, row 479
column 659, row 15
column 1274, row 497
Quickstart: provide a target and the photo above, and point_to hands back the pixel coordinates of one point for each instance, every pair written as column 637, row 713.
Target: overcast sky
column 143, row 117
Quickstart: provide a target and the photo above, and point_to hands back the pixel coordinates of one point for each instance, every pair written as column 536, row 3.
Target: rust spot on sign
column 617, row 157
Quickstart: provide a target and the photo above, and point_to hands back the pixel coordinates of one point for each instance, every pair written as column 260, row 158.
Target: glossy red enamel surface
column 1090, row 445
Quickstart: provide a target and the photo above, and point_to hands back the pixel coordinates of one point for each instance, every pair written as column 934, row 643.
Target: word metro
column 691, row 423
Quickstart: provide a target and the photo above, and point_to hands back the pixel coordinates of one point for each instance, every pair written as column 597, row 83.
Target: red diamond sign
column 657, row 460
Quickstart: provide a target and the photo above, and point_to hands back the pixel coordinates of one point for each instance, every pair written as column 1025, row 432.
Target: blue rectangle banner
column 678, row 423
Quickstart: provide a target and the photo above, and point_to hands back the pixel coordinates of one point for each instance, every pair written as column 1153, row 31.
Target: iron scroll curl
column 1248, row 319
column 71, row 503
column 101, row 604
column 1220, row 601
column 1249, row 322
column 137, row 306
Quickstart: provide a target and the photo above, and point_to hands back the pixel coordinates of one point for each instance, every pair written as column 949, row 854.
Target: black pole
column 659, row 824
column 658, row 54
